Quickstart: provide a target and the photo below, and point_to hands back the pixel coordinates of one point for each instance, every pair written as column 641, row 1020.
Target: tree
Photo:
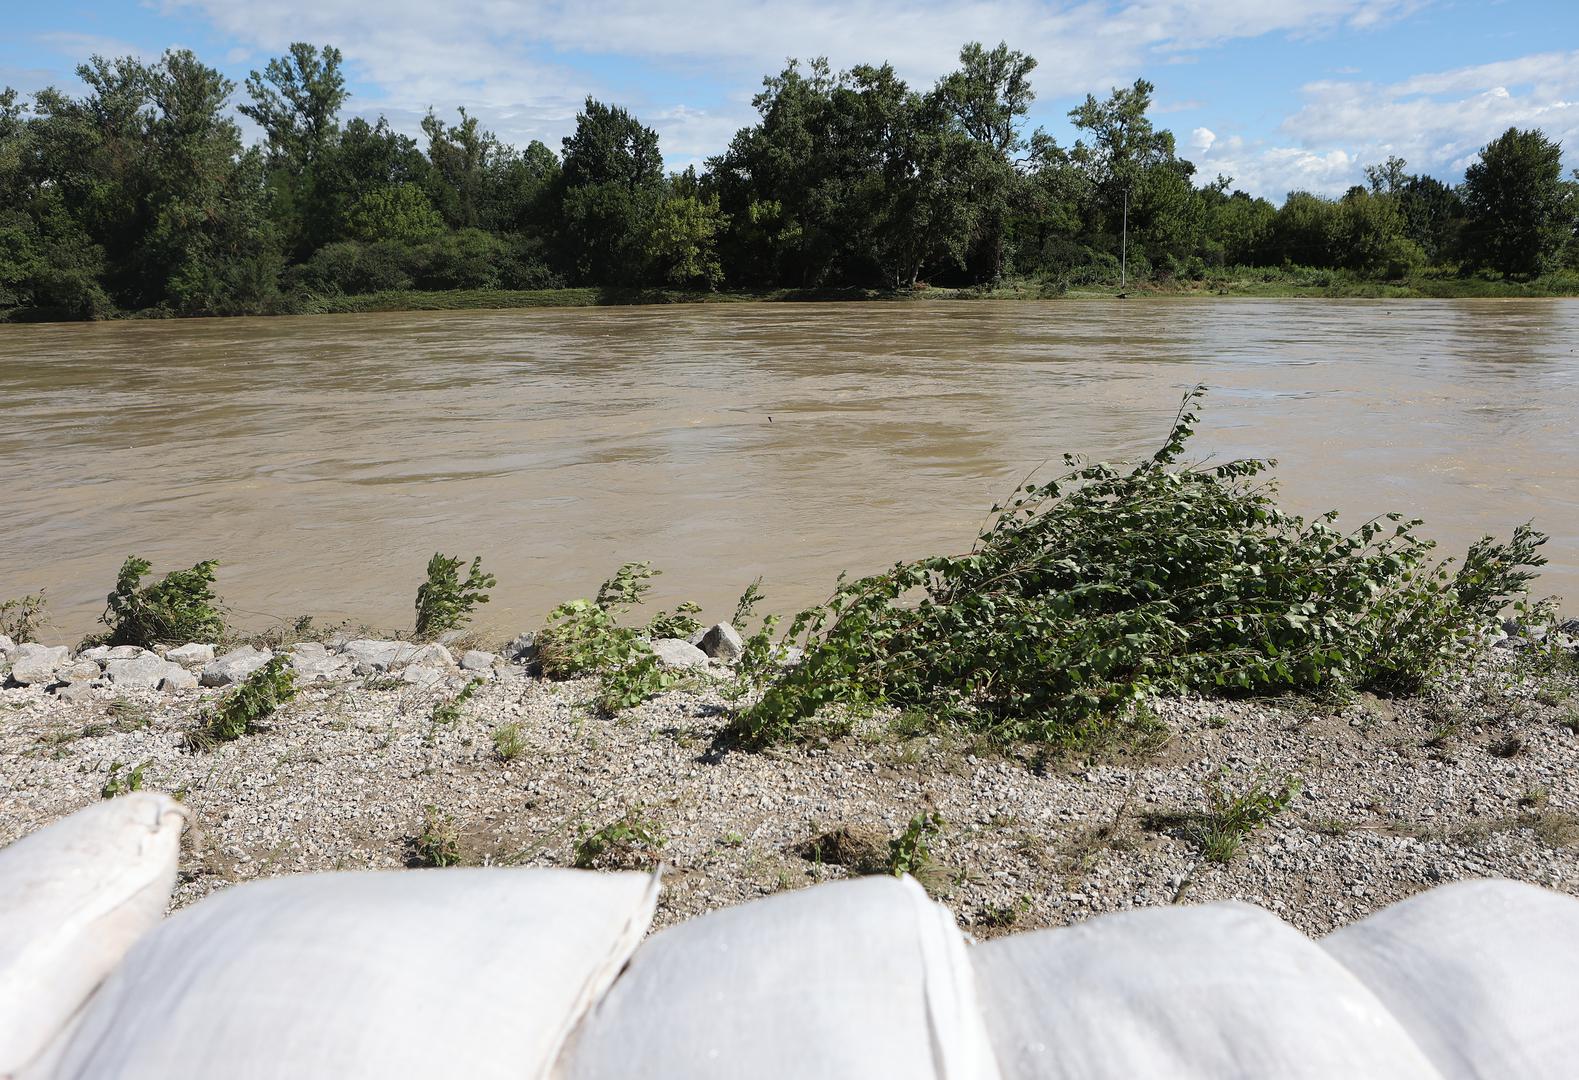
column 683, row 244
column 1519, row 212
column 400, row 212
column 1124, row 144
column 296, row 100
column 609, row 186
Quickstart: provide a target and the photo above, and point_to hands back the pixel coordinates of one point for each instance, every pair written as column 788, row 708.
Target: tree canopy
column 140, row 195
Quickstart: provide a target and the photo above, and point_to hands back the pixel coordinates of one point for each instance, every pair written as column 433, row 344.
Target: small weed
column 447, row 712
column 1330, row 826
column 1570, row 721
column 509, row 742
column 1003, row 916
column 265, row 690
column 1534, row 798
column 444, row 601
column 1444, row 733
column 911, row 851
column 1231, row 816
column 438, row 844
column 628, row 842
column 122, row 784
column 22, row 618
column 731, row 840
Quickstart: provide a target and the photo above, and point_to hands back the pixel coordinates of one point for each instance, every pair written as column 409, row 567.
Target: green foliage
column 1232, row 815
column 444, row 601
column 138, row 195
column 401, row 212
column 177, row 609
column 243, row 711
column 1089, row 593
column 119, row 783
column 22, row 617
column 447, row 712
column 1520, row 212
column 585, row 638
column 911, row 851
column 631, row 841
column 509, row 742
column 438, row 844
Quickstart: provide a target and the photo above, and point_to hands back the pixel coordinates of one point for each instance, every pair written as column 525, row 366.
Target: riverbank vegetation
column 140, row 197
column 1085, row 599
column 1090, row 594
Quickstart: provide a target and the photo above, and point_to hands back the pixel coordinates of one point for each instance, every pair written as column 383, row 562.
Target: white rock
column 33, row 664
column 433, row 656
column 98, row 654
column 79, row 670
column 723, row 642
column 370, row 656
column 674, row 653
column 235, row 666
column 73, row 691
column 192, row 654
column 312, row 662
column 177, row 677
column 426, row 674
column 7, row 646
column 137, row 673
column 477, row 660
column 125, row 652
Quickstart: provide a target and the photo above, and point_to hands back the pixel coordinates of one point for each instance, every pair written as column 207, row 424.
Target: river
column 323, row 459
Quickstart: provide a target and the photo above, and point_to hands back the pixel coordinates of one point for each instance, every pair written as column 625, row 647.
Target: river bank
column 1238, row 282
column 380, row 761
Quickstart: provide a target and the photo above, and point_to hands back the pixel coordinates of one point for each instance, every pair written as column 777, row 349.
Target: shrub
column 1088, row 594
column 23, row 617
column 629, row 841
column 120, row 783
column 509, row 742
column 265, row 690
column 1231, row 816
column 911, row 851
column 177, row 609
column 444, row 601
column 447, row 712
column 585, row 638
column 438, row 844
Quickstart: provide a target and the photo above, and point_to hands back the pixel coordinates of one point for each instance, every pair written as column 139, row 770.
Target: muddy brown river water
column 322, row 460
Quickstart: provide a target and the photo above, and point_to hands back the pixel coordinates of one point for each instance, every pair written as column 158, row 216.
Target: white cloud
column 1201, row 140
column 1436, row 121
column 517, row 64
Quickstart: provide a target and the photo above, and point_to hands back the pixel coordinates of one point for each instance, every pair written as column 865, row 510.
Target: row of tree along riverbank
column 139, row 196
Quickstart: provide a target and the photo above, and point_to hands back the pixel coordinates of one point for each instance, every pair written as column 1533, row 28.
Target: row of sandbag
column 539, row 973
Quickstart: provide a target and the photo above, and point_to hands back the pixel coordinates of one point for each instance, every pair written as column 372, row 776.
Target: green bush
column 444, row 601
column 1091, row 592
column 251, row 703
column 173, row 611
column 585, row 638
column 22, row 617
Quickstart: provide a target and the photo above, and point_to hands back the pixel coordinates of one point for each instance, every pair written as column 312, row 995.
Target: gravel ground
column 1475, row 779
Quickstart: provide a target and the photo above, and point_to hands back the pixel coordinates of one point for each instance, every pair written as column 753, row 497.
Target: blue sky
column 1278, row 94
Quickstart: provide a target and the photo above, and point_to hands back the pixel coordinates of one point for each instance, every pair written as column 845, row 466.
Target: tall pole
column 1123, row 248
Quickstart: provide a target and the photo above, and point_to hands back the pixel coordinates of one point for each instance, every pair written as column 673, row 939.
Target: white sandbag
column 862, row 979
column 1213, row 992
column 73, row 898
column 424, row 973
column 1483, row 974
